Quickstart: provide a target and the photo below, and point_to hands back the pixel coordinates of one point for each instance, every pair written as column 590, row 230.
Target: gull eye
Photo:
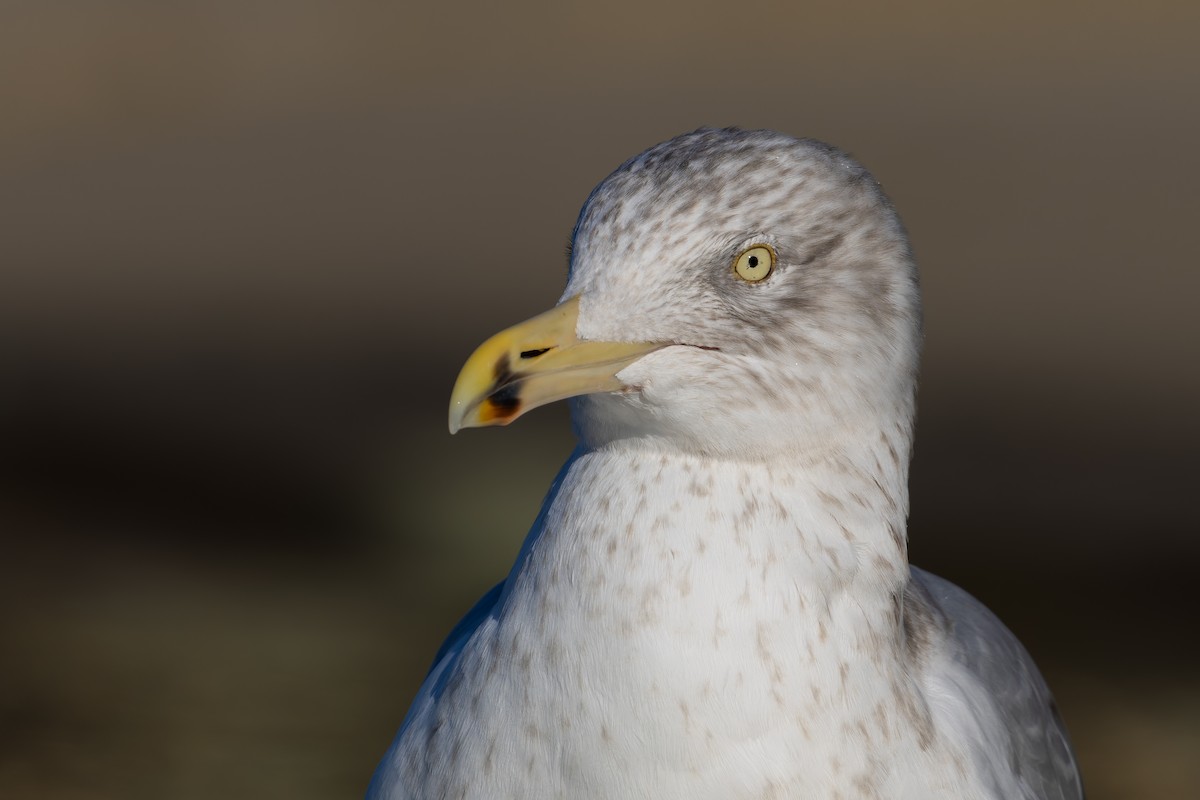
column 755, row 263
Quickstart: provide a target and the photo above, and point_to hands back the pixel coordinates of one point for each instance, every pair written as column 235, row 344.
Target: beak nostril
column 535, row 353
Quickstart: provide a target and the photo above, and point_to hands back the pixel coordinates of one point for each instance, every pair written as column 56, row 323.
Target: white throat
column 780, row 532
column 650, row 578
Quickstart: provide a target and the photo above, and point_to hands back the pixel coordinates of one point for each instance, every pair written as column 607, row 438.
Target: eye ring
column 755, row 263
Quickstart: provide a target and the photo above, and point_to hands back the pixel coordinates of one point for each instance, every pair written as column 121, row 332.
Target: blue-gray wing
column 1038, row 753
column 466, row 626
column 386, row 783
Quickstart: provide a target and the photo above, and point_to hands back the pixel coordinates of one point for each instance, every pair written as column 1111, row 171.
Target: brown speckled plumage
column 715, row 600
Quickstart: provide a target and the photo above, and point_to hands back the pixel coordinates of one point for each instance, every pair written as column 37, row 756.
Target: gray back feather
column 1039, row 751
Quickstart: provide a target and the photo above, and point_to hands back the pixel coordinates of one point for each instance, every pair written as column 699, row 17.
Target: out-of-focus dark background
column 245, row 246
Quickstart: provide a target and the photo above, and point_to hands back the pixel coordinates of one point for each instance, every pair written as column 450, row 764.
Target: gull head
column 741, row 294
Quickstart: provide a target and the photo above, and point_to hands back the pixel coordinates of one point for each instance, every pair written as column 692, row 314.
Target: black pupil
column 753, row 262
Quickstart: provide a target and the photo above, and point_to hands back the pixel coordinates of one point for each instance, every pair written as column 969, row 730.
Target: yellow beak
column 534, row 363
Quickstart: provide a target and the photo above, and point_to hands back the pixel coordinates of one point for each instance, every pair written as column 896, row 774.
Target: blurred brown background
column 246, row 246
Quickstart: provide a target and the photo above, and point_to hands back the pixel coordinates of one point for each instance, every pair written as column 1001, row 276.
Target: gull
column 715, row 600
